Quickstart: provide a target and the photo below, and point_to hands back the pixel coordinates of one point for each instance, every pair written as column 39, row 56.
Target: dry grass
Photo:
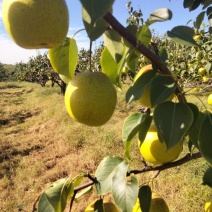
column 40, row 144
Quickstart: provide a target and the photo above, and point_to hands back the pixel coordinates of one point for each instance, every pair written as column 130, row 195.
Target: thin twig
column 79, row 188
column 90, row 54
column 34, row 209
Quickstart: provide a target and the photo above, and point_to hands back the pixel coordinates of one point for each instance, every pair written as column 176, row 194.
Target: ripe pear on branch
column 36, row 24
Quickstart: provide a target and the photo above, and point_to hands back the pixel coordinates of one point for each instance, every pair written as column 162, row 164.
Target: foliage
column 3, row 75
column 185, row 66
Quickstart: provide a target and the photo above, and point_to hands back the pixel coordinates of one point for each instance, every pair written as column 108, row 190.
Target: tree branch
column 188, row 157
column 79, row 188
column 115, row 24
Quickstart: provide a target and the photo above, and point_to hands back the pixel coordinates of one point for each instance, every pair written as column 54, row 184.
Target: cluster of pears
column 106, row 204
column 152, row 148
column 33, row 24
column 158, row 204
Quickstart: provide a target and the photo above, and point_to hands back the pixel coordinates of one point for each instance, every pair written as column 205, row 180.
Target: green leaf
column 92, row 13
column 64, row 58
column 127, row 146
column 159, row 15
column 56, row 196
column 195, row 111
column 163, row 54
column 145, row 196
column 136, row 122
column 206, row 3
column 50, row 200
column 195, row 5
column 183, row 35
column 83, row 192
column 207, row 177
column 98, row 206
column 133, row 29
column 105, row 172
column 208, row 67
column 199, row 20
column 113, row 43
column 187, row 3
column 191, row 4
column 144, row 35
column 131, row 126
column 193, row 132
column 132, row 61
column 44, row 205
column 138, row 88
column 205, row 139
column 161, row 88
column 96, row 30
column 124, row 190
column 209, row 11
column 68, row 188
column 144, row 127
column 95, row 9
column 210, row 22
column 172, row 121
column 109, row 66
column 121, row 65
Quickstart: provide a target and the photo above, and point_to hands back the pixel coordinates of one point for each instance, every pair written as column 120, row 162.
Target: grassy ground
column 39, row 144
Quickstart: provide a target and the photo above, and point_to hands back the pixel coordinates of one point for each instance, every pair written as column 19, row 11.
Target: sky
column 10, row 53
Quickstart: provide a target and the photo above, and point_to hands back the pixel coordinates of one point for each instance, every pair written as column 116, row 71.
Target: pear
column 90, row 98
column 158, row 204
column 36, row 24
column 108, row 206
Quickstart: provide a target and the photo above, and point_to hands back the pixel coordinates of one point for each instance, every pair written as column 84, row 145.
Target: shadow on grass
column 17, row 118
column 10, row 85
column 9, row 159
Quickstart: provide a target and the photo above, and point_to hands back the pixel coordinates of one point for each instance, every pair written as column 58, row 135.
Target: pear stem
column 77, row 32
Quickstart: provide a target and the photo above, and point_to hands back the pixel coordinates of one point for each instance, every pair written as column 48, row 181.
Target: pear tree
column 175, row 121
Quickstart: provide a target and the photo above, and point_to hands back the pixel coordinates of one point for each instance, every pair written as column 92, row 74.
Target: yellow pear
column 35, row 24
column 204, row 79
column 155, row 152
column 209, row 100
column 197, row 37
column 90, row 98
column 108, row 205
column 124, row 70
column 145, row 98
column 208, row 206
column 158, row 204
column 201, row 71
